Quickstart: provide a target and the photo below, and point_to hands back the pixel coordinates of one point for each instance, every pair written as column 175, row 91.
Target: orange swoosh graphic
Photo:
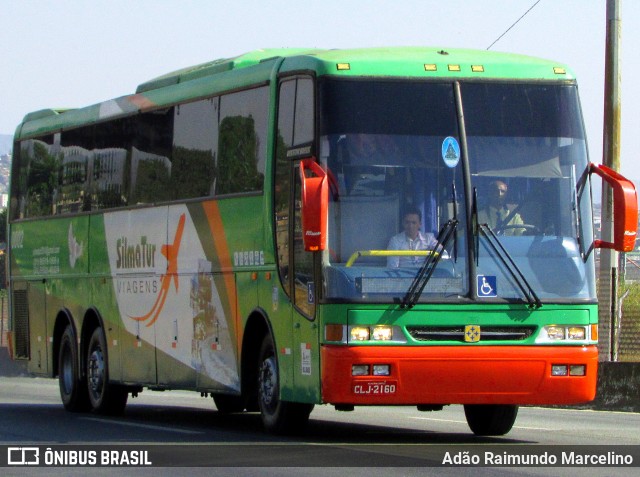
column 216, row 226
column 170, row 251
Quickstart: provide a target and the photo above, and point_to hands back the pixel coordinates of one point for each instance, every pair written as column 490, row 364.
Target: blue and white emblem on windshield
column 450, row 151
column 487, row 286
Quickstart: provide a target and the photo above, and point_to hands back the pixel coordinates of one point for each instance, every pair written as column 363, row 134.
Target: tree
column 3, row 245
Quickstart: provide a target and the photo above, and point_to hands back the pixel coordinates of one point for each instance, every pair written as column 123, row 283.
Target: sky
column 73, row 53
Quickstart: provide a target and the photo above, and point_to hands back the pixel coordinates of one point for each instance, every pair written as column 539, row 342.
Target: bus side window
column 282, row 179
column 242, row 141
column 108, row 179
column 37, row 178
column 151, row 157
column 195, row 144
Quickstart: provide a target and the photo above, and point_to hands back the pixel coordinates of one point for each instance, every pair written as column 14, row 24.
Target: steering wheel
column 388, row 253
column 529, row 229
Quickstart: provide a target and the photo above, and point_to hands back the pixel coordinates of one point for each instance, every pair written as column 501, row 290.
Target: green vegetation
column 629, row 332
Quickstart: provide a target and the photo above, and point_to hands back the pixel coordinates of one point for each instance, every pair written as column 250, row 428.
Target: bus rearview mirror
column 315, row 200
column 625, row 209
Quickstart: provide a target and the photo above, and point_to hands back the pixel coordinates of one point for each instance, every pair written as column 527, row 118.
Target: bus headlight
column 565, row 333
column 555, row 332
column 382, row 333
column 360, row 333
column 374, row 334
column 577, row 333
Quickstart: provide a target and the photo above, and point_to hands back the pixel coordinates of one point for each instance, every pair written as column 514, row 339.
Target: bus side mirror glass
column 315, row 200
column 625, row 210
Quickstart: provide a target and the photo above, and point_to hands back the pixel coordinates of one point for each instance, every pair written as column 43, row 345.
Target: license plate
column 375, row 388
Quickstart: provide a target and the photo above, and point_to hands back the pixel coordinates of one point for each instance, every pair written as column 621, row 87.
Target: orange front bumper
column 458, row 375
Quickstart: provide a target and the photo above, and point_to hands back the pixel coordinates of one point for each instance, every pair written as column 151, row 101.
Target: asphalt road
column 368, row 441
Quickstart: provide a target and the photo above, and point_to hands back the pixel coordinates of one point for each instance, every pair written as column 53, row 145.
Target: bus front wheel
column 490, row 419
column 280, row 417
column 105, row 397
column 73, row 389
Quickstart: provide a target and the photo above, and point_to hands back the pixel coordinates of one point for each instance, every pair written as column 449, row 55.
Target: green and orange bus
column 226, row 229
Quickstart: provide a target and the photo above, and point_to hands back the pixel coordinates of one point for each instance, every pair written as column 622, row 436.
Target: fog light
column 360, row 333
column 558, row 370
column 360, row 370
column 382, row 333
column 381, row 370
column 577, row 370
column 555, row 332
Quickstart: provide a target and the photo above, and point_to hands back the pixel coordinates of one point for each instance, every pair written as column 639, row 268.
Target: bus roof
column 259, row 66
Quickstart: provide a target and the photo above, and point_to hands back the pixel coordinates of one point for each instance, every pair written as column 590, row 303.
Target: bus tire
column 105, row 397
column 73, row 388
column 228, row 404
column 278, row 417
column 490, row 419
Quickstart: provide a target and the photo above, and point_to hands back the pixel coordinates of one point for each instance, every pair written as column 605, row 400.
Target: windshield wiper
column 455, row 217
column 429, row 265
column 511, row 266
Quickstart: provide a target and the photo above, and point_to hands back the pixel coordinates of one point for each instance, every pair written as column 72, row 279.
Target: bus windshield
column 517, row 193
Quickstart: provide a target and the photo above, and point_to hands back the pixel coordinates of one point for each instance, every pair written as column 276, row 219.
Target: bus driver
column 497, row 215
column 410, row 239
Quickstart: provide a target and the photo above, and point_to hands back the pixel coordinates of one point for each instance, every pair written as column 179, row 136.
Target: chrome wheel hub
column 268, row 382
column 96, row 371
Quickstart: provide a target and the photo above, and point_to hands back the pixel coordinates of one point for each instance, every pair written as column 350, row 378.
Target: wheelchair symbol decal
column 487, row 286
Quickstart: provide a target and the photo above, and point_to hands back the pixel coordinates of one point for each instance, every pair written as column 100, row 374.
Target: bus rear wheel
column 279, row 417
column 73, row 388
column 105, row 398
column 490, row 419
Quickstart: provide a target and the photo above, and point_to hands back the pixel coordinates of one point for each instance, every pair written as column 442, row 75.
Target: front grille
column 456, row 333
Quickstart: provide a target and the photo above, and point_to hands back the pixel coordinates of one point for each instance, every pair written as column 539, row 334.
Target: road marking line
column 464, row 422
column 434, row 419
column 536, row 428
column 143, row 426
